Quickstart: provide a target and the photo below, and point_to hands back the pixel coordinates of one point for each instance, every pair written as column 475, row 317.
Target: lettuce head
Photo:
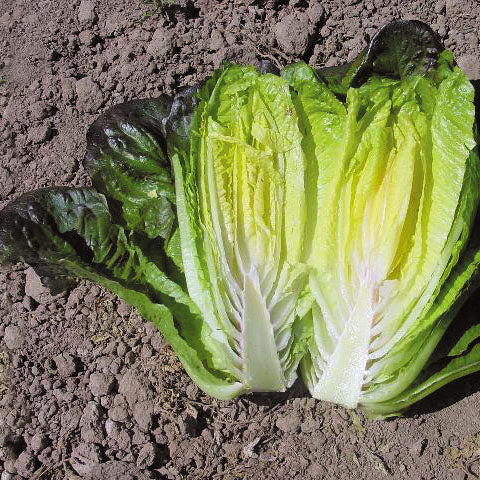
column 320, row 221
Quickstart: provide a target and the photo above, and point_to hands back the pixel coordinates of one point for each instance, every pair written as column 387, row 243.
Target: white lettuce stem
column 262, row 368
column 343, row 377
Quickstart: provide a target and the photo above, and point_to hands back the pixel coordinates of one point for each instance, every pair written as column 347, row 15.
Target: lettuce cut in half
column 395, row 189
column 269, row 222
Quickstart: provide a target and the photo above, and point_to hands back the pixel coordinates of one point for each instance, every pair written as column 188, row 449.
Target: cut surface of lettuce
column 396, row 190
column 241, row 208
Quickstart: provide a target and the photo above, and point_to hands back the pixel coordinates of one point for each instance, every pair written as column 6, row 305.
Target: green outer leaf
column 126, row 159
column 456, row 368
column 68, row 234
column 29, row 233
column 397, row 50
column 214, row 385
column 465, row 341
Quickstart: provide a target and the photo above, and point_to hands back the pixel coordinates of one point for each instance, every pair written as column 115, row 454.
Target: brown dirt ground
column 87, row 389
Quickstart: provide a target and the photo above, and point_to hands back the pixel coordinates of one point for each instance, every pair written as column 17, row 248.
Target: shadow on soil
column 297, row 390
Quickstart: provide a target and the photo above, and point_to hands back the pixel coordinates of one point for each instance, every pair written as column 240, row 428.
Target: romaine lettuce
column 263, row 220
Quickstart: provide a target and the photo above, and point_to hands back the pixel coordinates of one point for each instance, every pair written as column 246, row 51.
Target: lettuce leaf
column 67, row 234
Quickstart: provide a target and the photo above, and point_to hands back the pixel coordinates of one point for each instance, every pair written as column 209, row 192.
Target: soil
column 87, row 388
